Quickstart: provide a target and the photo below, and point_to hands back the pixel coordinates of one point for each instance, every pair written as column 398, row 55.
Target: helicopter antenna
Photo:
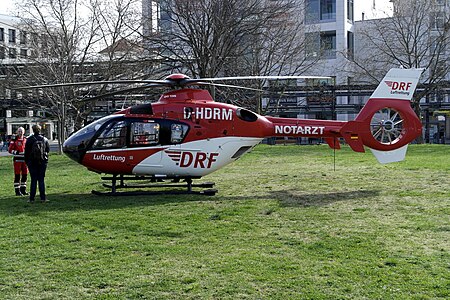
column 334, row 154
column 124, row 101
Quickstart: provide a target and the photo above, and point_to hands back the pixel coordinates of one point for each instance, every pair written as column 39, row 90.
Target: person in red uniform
column 17, row 149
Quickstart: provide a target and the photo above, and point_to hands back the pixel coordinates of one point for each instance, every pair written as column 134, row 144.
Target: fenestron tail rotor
column 387, row 126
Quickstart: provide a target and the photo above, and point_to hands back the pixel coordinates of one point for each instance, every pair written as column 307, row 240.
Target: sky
column 6, row 6
column 372, row 8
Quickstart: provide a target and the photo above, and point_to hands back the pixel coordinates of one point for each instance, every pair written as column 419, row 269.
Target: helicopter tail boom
column 386, row 124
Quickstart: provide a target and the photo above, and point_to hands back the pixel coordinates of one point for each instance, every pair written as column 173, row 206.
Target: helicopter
column 186, row 135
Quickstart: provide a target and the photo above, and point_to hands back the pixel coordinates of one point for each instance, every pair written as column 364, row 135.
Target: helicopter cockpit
column 118, row 132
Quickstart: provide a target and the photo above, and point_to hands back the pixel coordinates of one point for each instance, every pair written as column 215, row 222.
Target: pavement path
column 53, row 148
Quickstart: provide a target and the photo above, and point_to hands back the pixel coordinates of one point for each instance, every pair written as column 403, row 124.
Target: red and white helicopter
column 186, row 135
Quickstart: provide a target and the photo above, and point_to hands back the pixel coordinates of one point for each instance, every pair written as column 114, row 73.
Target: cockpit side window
column 178, row 132
column 144, row 133
column 113, row 136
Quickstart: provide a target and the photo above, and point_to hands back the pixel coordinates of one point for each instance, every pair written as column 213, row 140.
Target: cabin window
column 143, row 133
column 113, row 136
column 178, row 132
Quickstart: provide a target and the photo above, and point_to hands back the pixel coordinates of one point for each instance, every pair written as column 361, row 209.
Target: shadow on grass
column 293, row 199
column 70, row 202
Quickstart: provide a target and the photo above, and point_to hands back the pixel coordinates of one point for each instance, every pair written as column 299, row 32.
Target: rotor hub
column 388, row 125
column 177, row 77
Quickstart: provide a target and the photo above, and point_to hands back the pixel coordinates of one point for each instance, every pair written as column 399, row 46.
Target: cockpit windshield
column 94, row 126
column 75, row 146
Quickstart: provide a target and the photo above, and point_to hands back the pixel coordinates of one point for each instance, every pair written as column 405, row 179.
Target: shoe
column 44, row 200
column 23, row 191
column 30, row 201
column 18, row 193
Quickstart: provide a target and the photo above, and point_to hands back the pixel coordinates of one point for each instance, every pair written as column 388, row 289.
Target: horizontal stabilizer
column 351, row 134
column 333, row 142
column 385, row 157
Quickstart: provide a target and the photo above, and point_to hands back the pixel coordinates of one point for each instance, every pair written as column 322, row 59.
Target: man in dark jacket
column 37, row 164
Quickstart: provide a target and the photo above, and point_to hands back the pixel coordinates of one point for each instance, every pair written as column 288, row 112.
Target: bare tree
column 201, row 35
column 277, row 48
column 207, row 38
column 67, row 38
column 55, row 32
column 119, row 48
column 416, row 36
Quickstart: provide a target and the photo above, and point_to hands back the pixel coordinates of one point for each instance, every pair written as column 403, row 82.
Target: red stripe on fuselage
column 117, row 161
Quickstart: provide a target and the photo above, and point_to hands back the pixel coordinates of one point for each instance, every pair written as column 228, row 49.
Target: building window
column 312, row 44
column 328, row 44
column 34, row 40
column 437, row 20
column 33, row 53
column 327, row 9
column 12, row 53
column 165, row 16
column 312, row 11
column 2, row 53
column 156, row 16
column 320, row 11
column 23, row 53
column 2, row 34
column 350, row 45
column 350, row 11
column 323, row 44
column 23, row 37
column 12, row 36
column 321, row 82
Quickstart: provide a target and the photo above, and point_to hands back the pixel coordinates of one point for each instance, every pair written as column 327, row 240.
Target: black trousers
column 37, row 174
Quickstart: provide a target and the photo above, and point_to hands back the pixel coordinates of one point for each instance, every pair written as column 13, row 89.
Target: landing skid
column 118, row 182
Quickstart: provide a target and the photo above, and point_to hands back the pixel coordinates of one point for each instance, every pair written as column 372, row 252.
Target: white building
column 13, row 42
column 14, row 51
column 332, row 32
column 332, row 38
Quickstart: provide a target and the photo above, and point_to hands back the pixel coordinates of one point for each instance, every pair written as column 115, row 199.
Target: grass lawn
column 284, row 225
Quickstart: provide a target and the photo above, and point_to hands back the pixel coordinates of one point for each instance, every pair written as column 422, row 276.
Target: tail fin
column 398, row 84
column 387, row 123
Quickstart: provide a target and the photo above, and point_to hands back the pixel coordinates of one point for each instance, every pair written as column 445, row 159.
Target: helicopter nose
column 74, row 149
column 76, row 145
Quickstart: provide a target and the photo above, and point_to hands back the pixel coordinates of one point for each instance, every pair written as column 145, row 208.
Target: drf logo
column 398, row 86
column 185, row 159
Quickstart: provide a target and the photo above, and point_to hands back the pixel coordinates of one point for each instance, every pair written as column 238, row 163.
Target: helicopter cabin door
column 144, row 147
column 109, row 151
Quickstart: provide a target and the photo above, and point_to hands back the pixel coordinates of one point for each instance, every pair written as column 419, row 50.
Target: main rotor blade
column 173, row 81
column 227, row 85
column 138, row 88
column 131, row 81
column 256, row 77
